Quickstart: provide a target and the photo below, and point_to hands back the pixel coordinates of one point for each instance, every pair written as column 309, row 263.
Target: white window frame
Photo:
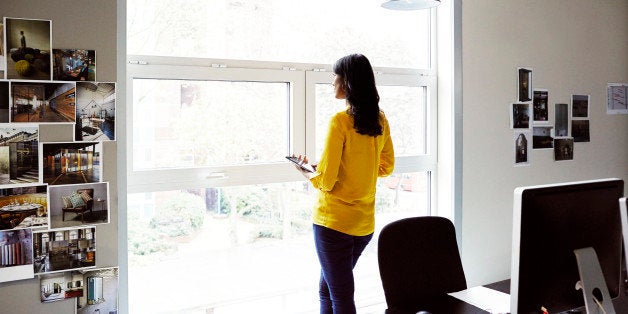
column 302, row 79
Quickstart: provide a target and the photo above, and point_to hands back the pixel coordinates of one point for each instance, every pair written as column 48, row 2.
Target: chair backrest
column 418, row 260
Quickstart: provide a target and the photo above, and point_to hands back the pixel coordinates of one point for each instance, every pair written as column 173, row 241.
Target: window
column 215, row 213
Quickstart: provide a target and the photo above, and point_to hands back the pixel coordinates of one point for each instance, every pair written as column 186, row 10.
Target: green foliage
column 179, row 215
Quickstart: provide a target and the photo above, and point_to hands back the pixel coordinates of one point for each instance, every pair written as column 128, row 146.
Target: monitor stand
column 597, row 300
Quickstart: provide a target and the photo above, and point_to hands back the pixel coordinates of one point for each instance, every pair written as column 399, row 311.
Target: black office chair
column 419, row 261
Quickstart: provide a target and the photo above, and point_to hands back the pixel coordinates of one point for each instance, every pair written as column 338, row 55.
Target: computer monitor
column 549, row 223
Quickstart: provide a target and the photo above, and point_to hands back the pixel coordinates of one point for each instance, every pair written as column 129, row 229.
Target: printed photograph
column 580, row 106
column 580, row 130
column 563, row 149
column 28, row 44
column 71, row 163
column 542, row 137
column 24, row 207
column 19, row 147
column 617, row 98
column 561, row 120
column 522, row 148
column 100, row 291
column 95, row 111
column 62, row 250
column 4, row 101
column 524, row 84
column 16, row 255
column 61, row 286
column 73, row 65
column 43, row 102
column 79, row 204
column 520, row 116
column 539, row 104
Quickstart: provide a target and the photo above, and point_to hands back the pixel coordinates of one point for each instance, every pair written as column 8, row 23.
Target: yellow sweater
column 347, row 174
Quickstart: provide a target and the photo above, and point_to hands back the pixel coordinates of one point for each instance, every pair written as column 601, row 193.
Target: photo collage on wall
column 530, row 120
column 52, row 195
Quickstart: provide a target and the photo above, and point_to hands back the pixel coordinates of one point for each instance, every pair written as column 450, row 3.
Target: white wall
column 573, row 47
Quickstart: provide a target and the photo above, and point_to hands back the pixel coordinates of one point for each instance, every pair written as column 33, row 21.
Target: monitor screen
column 549, row 223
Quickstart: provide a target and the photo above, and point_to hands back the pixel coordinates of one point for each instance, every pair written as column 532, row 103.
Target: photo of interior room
column 73, row 65
column 16, row 254
column 24, row 207
column 18, row 155
column 61, row 286
column 28, row 48
column 79, row 204
column 55, row 251
column 4, row 100
column 95, row 111
column 101, row 295
column 71, row 163
column 42, row 102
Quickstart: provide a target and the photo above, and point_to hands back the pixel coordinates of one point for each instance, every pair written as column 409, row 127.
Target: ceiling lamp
column 406, row 5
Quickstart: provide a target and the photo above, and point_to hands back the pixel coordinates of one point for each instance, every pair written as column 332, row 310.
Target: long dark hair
column 362, row 96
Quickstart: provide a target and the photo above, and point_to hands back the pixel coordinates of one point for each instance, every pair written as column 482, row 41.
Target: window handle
column 217, row 175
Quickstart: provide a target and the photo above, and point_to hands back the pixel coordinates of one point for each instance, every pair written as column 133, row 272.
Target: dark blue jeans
column 337, row 253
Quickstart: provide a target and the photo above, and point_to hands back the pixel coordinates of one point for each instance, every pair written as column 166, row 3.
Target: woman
column 358, row 149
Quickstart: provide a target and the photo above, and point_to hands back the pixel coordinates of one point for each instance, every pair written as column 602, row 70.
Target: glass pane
column 244, row 249
column 279, row 30
column 182, row 123
column 404, row 107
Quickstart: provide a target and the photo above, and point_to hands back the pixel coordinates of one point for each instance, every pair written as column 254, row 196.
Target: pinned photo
column 524, row 84
column 561, row 120
column 79, row 204
column 540, row 106
column 522, row 148
column 74, row 65
column 95, row 111
column 563, row 149
column 520, row 116
column 63, row 250
column 28, row 44
column 43, row 102
column 542, row 137
column 580, row 130
column 580, row 106
column 71, row 163
column 4, row 101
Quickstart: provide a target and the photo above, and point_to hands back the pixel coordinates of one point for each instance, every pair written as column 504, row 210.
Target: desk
column 450, row 305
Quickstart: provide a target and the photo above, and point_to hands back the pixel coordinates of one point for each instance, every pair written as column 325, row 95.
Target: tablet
column 305, row 166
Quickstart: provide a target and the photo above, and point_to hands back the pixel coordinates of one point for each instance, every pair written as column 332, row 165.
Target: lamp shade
column 410, row 4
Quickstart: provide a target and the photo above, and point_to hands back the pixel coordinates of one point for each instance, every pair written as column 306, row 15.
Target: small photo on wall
column 62, row 250
column 542, row 137
column 19, row 153
column 563, row 149
column 74, row 65
column 95, row 111
column 4, row 101
column 520, row 116
column 617, row 98
column 24, row 207
column 540, row 106
column 16, row 255
column 79, row 204
column 580, row 106
column 71, row 163
column 28, row 44
column 524, row 84
column 36, row 102
column 561, row 120
column 522, row 148
column 580, row 130
column 61, row 286
column 101, row 291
